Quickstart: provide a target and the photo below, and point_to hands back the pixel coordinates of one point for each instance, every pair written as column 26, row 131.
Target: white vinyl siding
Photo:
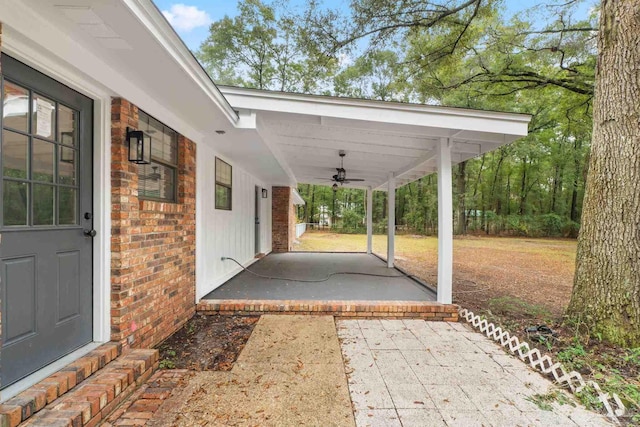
column 223, row 233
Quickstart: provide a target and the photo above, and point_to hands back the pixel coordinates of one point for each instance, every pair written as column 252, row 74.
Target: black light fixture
column 139, row 146
column 334, row 187
column 265, row 193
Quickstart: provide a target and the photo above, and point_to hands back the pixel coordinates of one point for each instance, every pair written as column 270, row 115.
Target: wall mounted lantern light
column 139, row 146
column 265, row 193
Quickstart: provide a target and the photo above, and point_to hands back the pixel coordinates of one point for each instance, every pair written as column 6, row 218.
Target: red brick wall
column 152, row 244
column 281, row 229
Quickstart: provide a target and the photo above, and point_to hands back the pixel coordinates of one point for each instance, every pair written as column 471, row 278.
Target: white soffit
column 306, row 133
column 127, row 47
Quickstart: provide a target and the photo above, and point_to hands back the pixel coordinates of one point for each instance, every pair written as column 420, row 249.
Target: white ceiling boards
column 305, row 134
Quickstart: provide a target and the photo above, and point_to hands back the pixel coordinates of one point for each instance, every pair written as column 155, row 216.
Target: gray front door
column 45, row 221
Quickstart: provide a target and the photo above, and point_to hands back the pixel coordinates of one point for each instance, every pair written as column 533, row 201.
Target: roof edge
column 391, row 105
column 153, row 19
column 297, row 198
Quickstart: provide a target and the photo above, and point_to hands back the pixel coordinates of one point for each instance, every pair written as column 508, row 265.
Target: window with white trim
column 223, row 185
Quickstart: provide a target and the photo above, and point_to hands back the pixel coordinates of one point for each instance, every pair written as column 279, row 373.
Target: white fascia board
column 297, row 198
column 378, row 111
column 149, row 15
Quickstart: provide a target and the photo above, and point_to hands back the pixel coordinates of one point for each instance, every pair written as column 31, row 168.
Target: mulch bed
column 207, row 343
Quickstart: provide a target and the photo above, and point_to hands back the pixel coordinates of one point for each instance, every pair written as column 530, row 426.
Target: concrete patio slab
column 444, row 374
column 389, row 285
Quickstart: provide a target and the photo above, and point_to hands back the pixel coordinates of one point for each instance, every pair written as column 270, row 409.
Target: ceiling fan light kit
column 341, row 176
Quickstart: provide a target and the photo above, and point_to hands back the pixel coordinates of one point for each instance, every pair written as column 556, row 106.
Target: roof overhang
column 297, row 198
column 306, row 132
column 126, row 48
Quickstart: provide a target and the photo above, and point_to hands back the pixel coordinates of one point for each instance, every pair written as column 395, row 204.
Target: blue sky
column 191, row 18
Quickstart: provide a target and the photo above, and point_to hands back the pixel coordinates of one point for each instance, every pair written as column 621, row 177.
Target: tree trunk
column 554, row 192
column 577, row 146
column 462, row 190
column 508, row 194
column 313, row 199
column 523, row 187
column 606, row 290
column 492, row 197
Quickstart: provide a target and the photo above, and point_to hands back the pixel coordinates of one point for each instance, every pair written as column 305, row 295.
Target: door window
column 39, row 159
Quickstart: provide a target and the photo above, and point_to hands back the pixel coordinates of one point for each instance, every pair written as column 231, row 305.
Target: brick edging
column 353, row 309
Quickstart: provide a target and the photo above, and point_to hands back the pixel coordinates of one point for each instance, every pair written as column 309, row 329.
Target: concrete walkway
column 414, row 373
column 290, row 373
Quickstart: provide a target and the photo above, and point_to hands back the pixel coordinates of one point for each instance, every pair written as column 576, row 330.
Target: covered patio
column 372, row 145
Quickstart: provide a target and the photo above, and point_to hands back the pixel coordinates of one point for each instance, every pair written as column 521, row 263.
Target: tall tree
column 374, row 75
column 258, row 48
column 606, row 292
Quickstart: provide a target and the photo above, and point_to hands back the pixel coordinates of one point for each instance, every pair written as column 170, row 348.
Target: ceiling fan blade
column 353, row 179
column 324, row 179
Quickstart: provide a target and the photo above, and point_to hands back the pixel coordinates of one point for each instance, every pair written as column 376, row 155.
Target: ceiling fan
column 341, row 176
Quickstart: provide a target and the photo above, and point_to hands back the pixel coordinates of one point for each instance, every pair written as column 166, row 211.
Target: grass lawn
column 539, row 271
column 514, row 282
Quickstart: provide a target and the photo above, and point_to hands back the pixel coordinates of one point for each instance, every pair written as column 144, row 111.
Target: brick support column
column 283, row 220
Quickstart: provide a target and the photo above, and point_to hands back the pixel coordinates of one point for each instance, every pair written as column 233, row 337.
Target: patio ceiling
column 305, row 134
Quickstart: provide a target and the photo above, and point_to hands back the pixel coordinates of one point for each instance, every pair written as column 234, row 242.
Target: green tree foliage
column 375, row 75
column 261, row 49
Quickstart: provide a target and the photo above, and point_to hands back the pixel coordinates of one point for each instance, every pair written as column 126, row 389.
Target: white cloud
column 186, row 18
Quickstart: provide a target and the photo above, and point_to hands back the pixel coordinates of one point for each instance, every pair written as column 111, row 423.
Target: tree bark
column 577, row 147
column 523, row 187
column 606, row 291
column 462, row 194
column 313, row 200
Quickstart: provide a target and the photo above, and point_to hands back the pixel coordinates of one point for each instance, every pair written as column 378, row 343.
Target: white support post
column 369, row 220
column 391, row 216
column 445, row 223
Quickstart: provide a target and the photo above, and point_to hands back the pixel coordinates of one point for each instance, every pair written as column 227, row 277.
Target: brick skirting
column 353, row 309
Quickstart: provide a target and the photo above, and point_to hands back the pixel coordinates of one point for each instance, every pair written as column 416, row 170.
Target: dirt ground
column 291, row 373
column 207, row 343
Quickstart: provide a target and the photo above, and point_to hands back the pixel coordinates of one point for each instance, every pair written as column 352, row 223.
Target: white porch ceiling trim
column 306, row 132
